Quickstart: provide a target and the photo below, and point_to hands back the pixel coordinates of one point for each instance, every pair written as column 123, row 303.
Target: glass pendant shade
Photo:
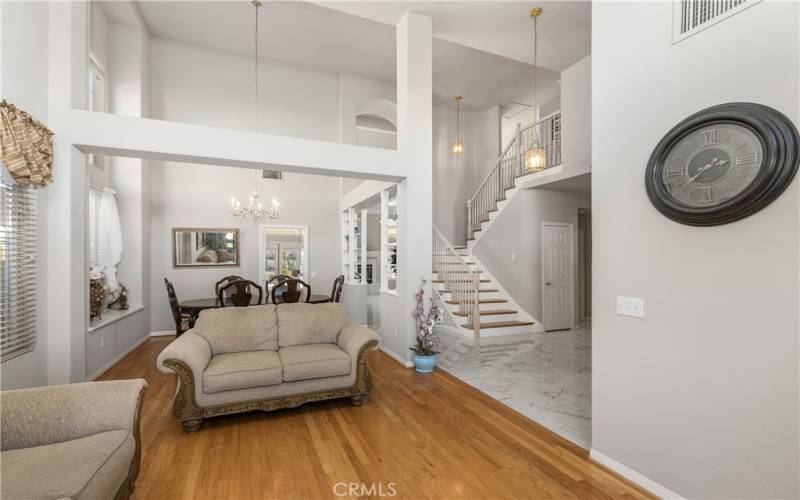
column 535, row 159
column 457, row 149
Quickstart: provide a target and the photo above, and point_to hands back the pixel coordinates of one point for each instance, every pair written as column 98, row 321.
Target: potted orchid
column 427, row 336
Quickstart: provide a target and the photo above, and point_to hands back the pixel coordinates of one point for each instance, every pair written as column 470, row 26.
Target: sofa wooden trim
column 126, row 488
column 191, row 415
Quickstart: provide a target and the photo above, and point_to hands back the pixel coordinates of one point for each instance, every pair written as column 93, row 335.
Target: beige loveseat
column 238, row 359
column 78, row 441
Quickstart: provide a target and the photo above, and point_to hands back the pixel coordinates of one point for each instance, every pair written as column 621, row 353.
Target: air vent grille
column 272, row 174
column 692, row 16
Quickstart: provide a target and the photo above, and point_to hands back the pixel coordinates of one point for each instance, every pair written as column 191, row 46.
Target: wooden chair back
column 239, row 294
column 174, row 306
column 336, row 292
column 223, row 282
column 290, row 292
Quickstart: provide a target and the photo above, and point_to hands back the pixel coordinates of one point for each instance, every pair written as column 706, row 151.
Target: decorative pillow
column 239, row 329
column 300, row 324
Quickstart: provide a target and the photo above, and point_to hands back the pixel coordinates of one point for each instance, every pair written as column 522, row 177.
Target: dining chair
column 240, row 294
column 182, row 319
column 336, row 292
column 224, row 281
column 290, row 293
column 275, row 281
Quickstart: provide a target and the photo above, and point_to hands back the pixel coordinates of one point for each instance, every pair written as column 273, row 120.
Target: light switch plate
column 630, row 306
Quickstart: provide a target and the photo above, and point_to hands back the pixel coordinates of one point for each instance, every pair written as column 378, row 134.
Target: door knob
column 547, row 283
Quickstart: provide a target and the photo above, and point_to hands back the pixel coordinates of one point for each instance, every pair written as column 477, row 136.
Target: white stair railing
column 462, row 283
column 510, row 165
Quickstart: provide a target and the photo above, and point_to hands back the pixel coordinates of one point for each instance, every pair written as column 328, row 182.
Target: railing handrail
column 460, row 281
column 450, row 248
column 507, row 148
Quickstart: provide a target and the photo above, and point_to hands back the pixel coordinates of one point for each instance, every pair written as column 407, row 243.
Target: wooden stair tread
column 464, row 272
column 481, row 301
column 482, row 290
column 490, row 312
column 498, row 324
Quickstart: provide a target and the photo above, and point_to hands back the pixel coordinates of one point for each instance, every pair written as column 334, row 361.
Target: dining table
column 193, row 307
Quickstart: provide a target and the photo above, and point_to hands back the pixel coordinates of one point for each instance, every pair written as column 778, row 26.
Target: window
column 93, row 253
column 18, row 234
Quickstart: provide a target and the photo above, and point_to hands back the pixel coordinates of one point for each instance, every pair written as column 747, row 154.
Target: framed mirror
column 205, row 247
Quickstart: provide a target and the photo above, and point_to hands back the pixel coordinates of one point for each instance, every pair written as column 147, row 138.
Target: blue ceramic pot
column 424, row 364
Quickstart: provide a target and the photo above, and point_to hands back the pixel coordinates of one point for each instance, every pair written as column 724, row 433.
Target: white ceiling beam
column 128, row 136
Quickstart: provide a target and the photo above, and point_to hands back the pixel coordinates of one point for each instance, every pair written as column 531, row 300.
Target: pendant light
column 256, row 211
column 535, row 157
column 457, row 149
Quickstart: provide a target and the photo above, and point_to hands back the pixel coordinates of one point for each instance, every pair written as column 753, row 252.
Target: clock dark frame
column 781, row 145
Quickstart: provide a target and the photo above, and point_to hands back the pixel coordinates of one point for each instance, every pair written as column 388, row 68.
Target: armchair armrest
column 57, row 413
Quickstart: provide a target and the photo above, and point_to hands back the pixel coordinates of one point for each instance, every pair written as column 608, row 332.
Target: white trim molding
column 163, row 333
column 407, row 364
column 631, row 475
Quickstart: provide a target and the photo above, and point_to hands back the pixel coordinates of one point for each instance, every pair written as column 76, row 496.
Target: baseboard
column 631, row 475
column 163, row 333
column 116, row 359
column 407, row 364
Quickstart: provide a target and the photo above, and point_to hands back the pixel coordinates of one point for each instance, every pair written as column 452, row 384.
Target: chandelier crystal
column 457, row 149
column 256, row 211
column 535, row 157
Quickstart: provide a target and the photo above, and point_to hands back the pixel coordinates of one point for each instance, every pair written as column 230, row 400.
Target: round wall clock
column 723, row 164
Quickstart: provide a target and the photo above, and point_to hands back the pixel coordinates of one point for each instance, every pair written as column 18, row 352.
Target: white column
column 415, row 145
column 364, row 223
column 67, row 290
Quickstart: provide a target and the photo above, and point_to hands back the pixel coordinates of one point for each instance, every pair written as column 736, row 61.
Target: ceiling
column 359, row 38
column 499, row 27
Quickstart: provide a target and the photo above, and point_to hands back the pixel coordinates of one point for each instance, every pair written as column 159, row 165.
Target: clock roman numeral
column 709, row 136
column 674, row 173
column 747, row 161
column 708, row 194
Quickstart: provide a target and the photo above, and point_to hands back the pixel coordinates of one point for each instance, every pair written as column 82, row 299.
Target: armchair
column 71, row 441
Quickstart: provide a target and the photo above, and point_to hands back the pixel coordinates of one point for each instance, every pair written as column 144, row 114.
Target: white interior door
column 557, row 276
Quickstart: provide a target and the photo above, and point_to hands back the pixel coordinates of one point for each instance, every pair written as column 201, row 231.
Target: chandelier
column 457, row 150
column 535, row 157
column 256, row 211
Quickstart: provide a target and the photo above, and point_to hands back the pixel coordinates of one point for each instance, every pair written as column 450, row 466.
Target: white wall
column 24, row 83
column 576, row 118
column 701, row 395
column 186, row 195
column 518, row 231
column 190, row 83
column 456, row 179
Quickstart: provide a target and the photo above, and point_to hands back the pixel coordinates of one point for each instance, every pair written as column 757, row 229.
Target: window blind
column 18, row 235
column 95, row 199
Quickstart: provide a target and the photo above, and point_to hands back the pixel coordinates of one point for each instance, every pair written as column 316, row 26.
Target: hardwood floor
column 418, row 436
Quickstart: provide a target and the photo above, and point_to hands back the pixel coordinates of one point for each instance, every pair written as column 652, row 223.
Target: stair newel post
column 476, row 308
column 518, row 150
column 469, row 219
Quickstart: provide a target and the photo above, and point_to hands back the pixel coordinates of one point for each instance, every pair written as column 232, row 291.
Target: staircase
column 464, row 284
column 503, row 180
column 456, row 275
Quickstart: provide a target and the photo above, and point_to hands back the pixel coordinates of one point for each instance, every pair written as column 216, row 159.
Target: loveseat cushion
column 239, row 329
column 241, row 370
column 303, row 362
column 301, row 324
column 89, row 467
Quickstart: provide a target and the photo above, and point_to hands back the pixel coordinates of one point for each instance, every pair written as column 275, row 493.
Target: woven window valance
column 26, row 147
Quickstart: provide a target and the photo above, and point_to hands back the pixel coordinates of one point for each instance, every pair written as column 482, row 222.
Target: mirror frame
column 176, row 230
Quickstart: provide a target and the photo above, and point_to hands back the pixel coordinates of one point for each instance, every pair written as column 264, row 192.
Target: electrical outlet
column 313, row 274
column 630, row 306
column 395, row 332
column 513, row 255
column 102, row 341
